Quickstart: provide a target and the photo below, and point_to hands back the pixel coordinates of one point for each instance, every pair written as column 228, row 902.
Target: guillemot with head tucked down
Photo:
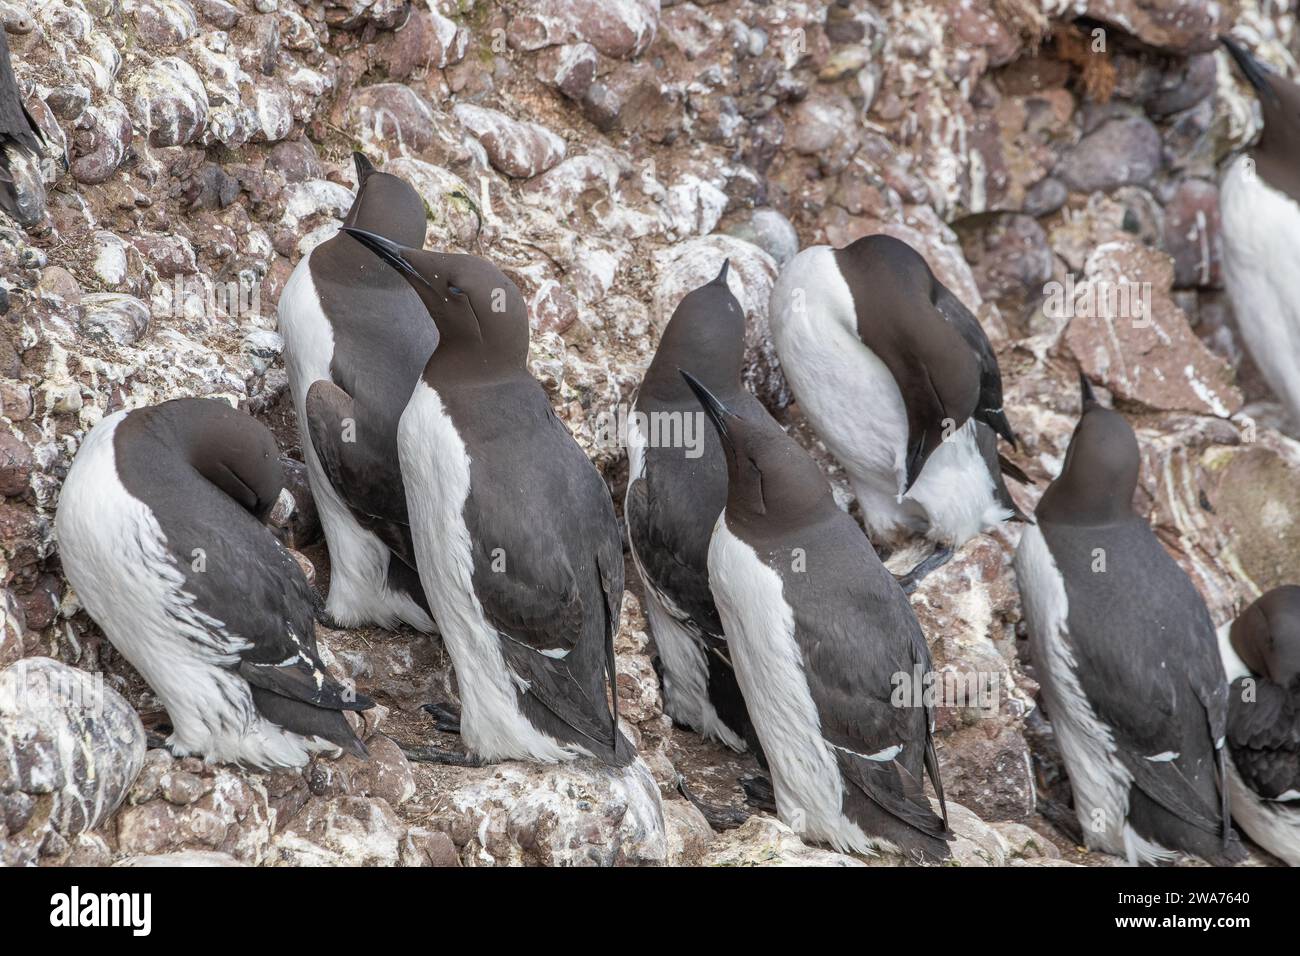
column 673, row 500
column 1259, row 202
column 160, row 532
column 821, row 635
column 355, row 341
column 1261, row 654
column 1124, row 650
column 899, row 380
column 515, row 535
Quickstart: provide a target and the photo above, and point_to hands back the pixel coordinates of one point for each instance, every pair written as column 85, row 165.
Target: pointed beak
column 721, row 278
column 1254, row 71
column 386, row 249
column 717, row 412
column 364, row 167
column 1088, row 397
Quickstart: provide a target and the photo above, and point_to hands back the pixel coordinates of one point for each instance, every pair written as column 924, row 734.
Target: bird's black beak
column 364, row 167
column 1088, row 397
column 386, row 249
column 721, row 278
column 717, row 412
column 1254, row 71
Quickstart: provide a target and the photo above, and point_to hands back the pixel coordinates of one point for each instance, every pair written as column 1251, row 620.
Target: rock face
column 580, row 815
column 1056, row 164
column 70, row 746
column 1128, row 333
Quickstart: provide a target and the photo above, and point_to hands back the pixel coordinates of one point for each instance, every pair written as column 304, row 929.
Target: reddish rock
column 1128, row 334
column 1118, row 153
column 392, row 114
column 427, row 41
column 100, row 141
column 552, row 308
column 1178, row 26
column 515, row 147
column 169, row 256
column 1193, row 235
column 617, row 28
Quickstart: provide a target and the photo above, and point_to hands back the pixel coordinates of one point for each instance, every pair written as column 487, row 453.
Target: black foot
column 911, row 579
column 451, row 758
column 719, row 818
column 157, row 728
column 759, row 793
column 1063, row 818
column 446, row 717
column 323, row 617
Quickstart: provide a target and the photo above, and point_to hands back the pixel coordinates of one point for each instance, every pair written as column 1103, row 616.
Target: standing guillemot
column 820, row 632
column 20, row 148
column 356, row 338
column 1259, row 202
column 1124, row 650
column 673, row 500
column 1261, row 654
column 160, row 532
column 899, row 380
column 516, row 539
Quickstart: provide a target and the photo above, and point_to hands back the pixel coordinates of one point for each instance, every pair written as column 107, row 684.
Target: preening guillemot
column 1124, row 650
column 20, row 148
column 515, row 535
column 355, row 341
column 820, row 633
column 673, row 500
column 159, row 530
column 1261, row 655
column 899, row 380
column 1259, row 202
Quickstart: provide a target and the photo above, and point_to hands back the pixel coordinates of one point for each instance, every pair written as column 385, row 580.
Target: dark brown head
column 769, row 477
column 1267, row 636
column 1277, row 154
column 479, row 312
column 227, row 447
column 1100, row 474
column 706, row 333
column 386, row 205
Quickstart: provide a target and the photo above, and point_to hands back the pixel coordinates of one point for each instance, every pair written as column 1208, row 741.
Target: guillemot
column 1259, row 202
column 673, row 499
column 899, row 380
column 820, row 633
column 516, row 539
column 1261, row 655
column 1124, row 650
column 355, row 341
column 160, row 532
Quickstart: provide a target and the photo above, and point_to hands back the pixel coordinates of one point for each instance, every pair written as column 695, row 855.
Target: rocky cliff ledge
column 608, row 154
